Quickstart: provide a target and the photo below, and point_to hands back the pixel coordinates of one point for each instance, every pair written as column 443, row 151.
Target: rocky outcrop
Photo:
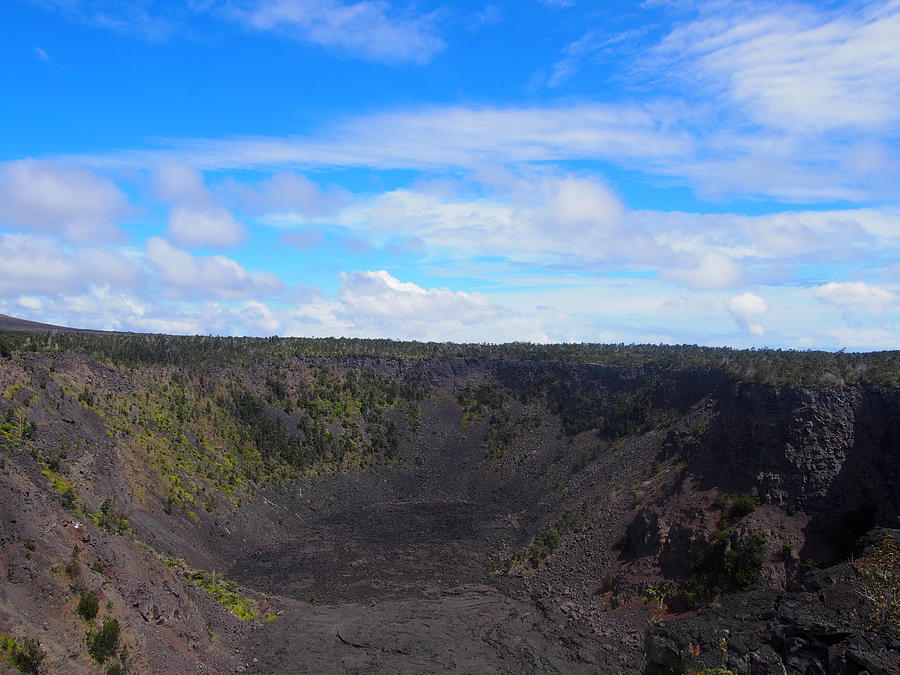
column 813, row 629
column 834, row 452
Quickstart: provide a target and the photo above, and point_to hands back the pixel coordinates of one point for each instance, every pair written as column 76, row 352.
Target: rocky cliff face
column 822, row 450
column 537, row 514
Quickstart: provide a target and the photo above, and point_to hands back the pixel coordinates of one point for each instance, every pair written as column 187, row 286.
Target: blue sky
column 719, row 173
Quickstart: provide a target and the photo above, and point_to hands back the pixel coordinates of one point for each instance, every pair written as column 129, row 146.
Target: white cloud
column 669, row 139
column 30, row 302
column 795, row 67
column 130, row 17
column 537, row 217
column 746, row 310
column 175, row 182
column 594, row 43
column 183, row 275
column 195, row 220
column 258, row 317
column 210, row 226
column 37, row 265
column 573, row 222
column 368, row 29
column 855, row 296
column 449, row 137
column 774, row 83
column 49, row 197
column 571, row 206
column 305, row 239
column 379, row 295
column 710, row 271
column 104, row 308
column 285, row 193
column 377, row 304
column 865, row 338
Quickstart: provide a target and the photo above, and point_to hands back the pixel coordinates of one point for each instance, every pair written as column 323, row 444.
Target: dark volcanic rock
column 601, row 489
column 814, row 629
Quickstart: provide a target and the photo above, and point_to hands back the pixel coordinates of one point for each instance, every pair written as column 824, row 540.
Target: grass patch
column 546, row 542
column 225, row 592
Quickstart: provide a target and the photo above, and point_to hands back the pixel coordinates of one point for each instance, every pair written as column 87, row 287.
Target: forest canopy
column 765, row 366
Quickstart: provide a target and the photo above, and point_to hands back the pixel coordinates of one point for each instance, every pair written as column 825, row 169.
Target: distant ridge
column 16, row 325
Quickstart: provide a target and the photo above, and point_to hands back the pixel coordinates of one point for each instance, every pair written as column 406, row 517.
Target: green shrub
column 725, row 564
column 25, row 655
column 735, row 507
column 88, row 604
column 878, row 576
column 103, row 643
column 656, row 594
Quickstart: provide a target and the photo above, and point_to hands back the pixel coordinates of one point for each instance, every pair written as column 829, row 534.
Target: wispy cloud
column 131, row 17
column 856, row 296
column 445, row 137
column 794, row 67
column 592, row 45
column 665, row 139
column 372, row 30
column 369, row 29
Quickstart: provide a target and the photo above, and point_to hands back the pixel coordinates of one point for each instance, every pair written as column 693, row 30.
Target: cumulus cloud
column 195, row 220
column 577, row 222
column 37, row 265
column 710, row 271
column 572, row 206
column 176, row 182
column 543, row 217
column 368, row 29
column 106, row 308
column 746, row 309
column 184, row 275
column 855, row 296
column 204, row 226
column 45, row 196
column 30, row 302
column 377, row 304
column 379, row 295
